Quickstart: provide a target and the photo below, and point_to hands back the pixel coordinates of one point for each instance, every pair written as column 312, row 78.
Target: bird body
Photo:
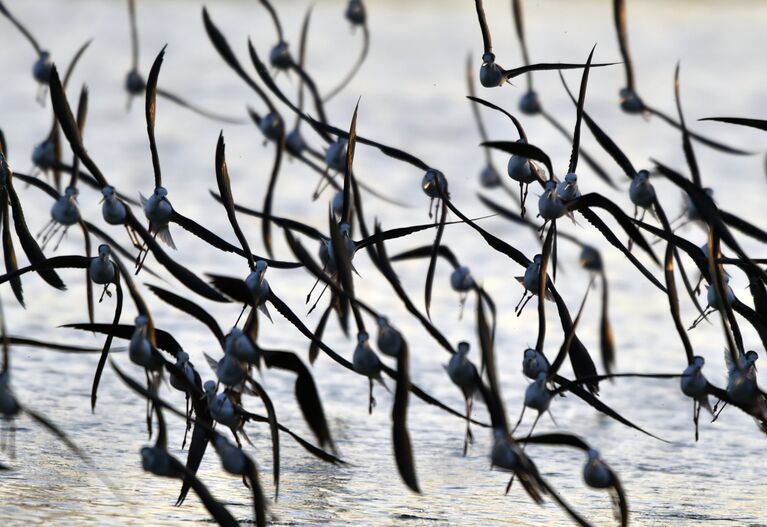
column 140, row 349
column 693, row 382
column 272, row 126
column 568, row 188
column 521, row 169
column 461, row 279
column 220, row 407
column 157, row 461
column 461, row 370
column 238, row 345
column 232, row 458
column 596, row 473
column 335, row 155
column 365, row 361
column 534, row 363
column 100, row 270
column 183, row 364
column 157, row 208
column 550, row 205
column 641, row 191
column 113, row 210
column 389, row 339
column 9, row 407
column 65, row 210
column 537, row 396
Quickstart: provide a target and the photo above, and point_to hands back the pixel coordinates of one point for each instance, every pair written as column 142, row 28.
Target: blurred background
column 412, row 88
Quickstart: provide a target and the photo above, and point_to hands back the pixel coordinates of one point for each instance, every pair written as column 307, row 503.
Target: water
column 412, row 90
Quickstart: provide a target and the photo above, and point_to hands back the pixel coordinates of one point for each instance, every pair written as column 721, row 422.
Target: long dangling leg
column 371, row 400
column 519, row 312
column 695, row 415
column 468, row 438
column 519, row 421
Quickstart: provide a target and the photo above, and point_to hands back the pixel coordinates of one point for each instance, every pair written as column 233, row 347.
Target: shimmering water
column 412, row 90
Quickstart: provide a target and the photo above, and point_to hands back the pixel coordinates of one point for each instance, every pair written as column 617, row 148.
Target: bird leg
column 695, row 416
column 717, row 414
column 188, row 421
column 43, row 234
column 697, row 286
column 149, row 407
column 468, row 438
column 63, row 233
column 462, row 304
column 146, row 252
column 519, row 421
column 510, row 483
column 552, row 417
column 318, row 299
column 524, row 294
column 371, row 399
column 542, row 228
column 309, row 296
column 523, row 196
column 42, row 91
column 519, row 311
column 701, row 318
column 530, row 433
column 244, row 307
column 105, row 291
column 12, row 439
column 236, row 438
column 325, row 178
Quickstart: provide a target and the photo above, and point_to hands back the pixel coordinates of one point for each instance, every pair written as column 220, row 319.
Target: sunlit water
column 412, row 89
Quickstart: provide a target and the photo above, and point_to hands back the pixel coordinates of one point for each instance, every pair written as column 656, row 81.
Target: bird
column 596, row 473
column 464, row 374
column 356, row 14
column 491, row 74
column 135, row 84
column 236, row 462
column 530, row 102
column 366, row 363
column 157, row 460
column 41, row 69
column 631, row 102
